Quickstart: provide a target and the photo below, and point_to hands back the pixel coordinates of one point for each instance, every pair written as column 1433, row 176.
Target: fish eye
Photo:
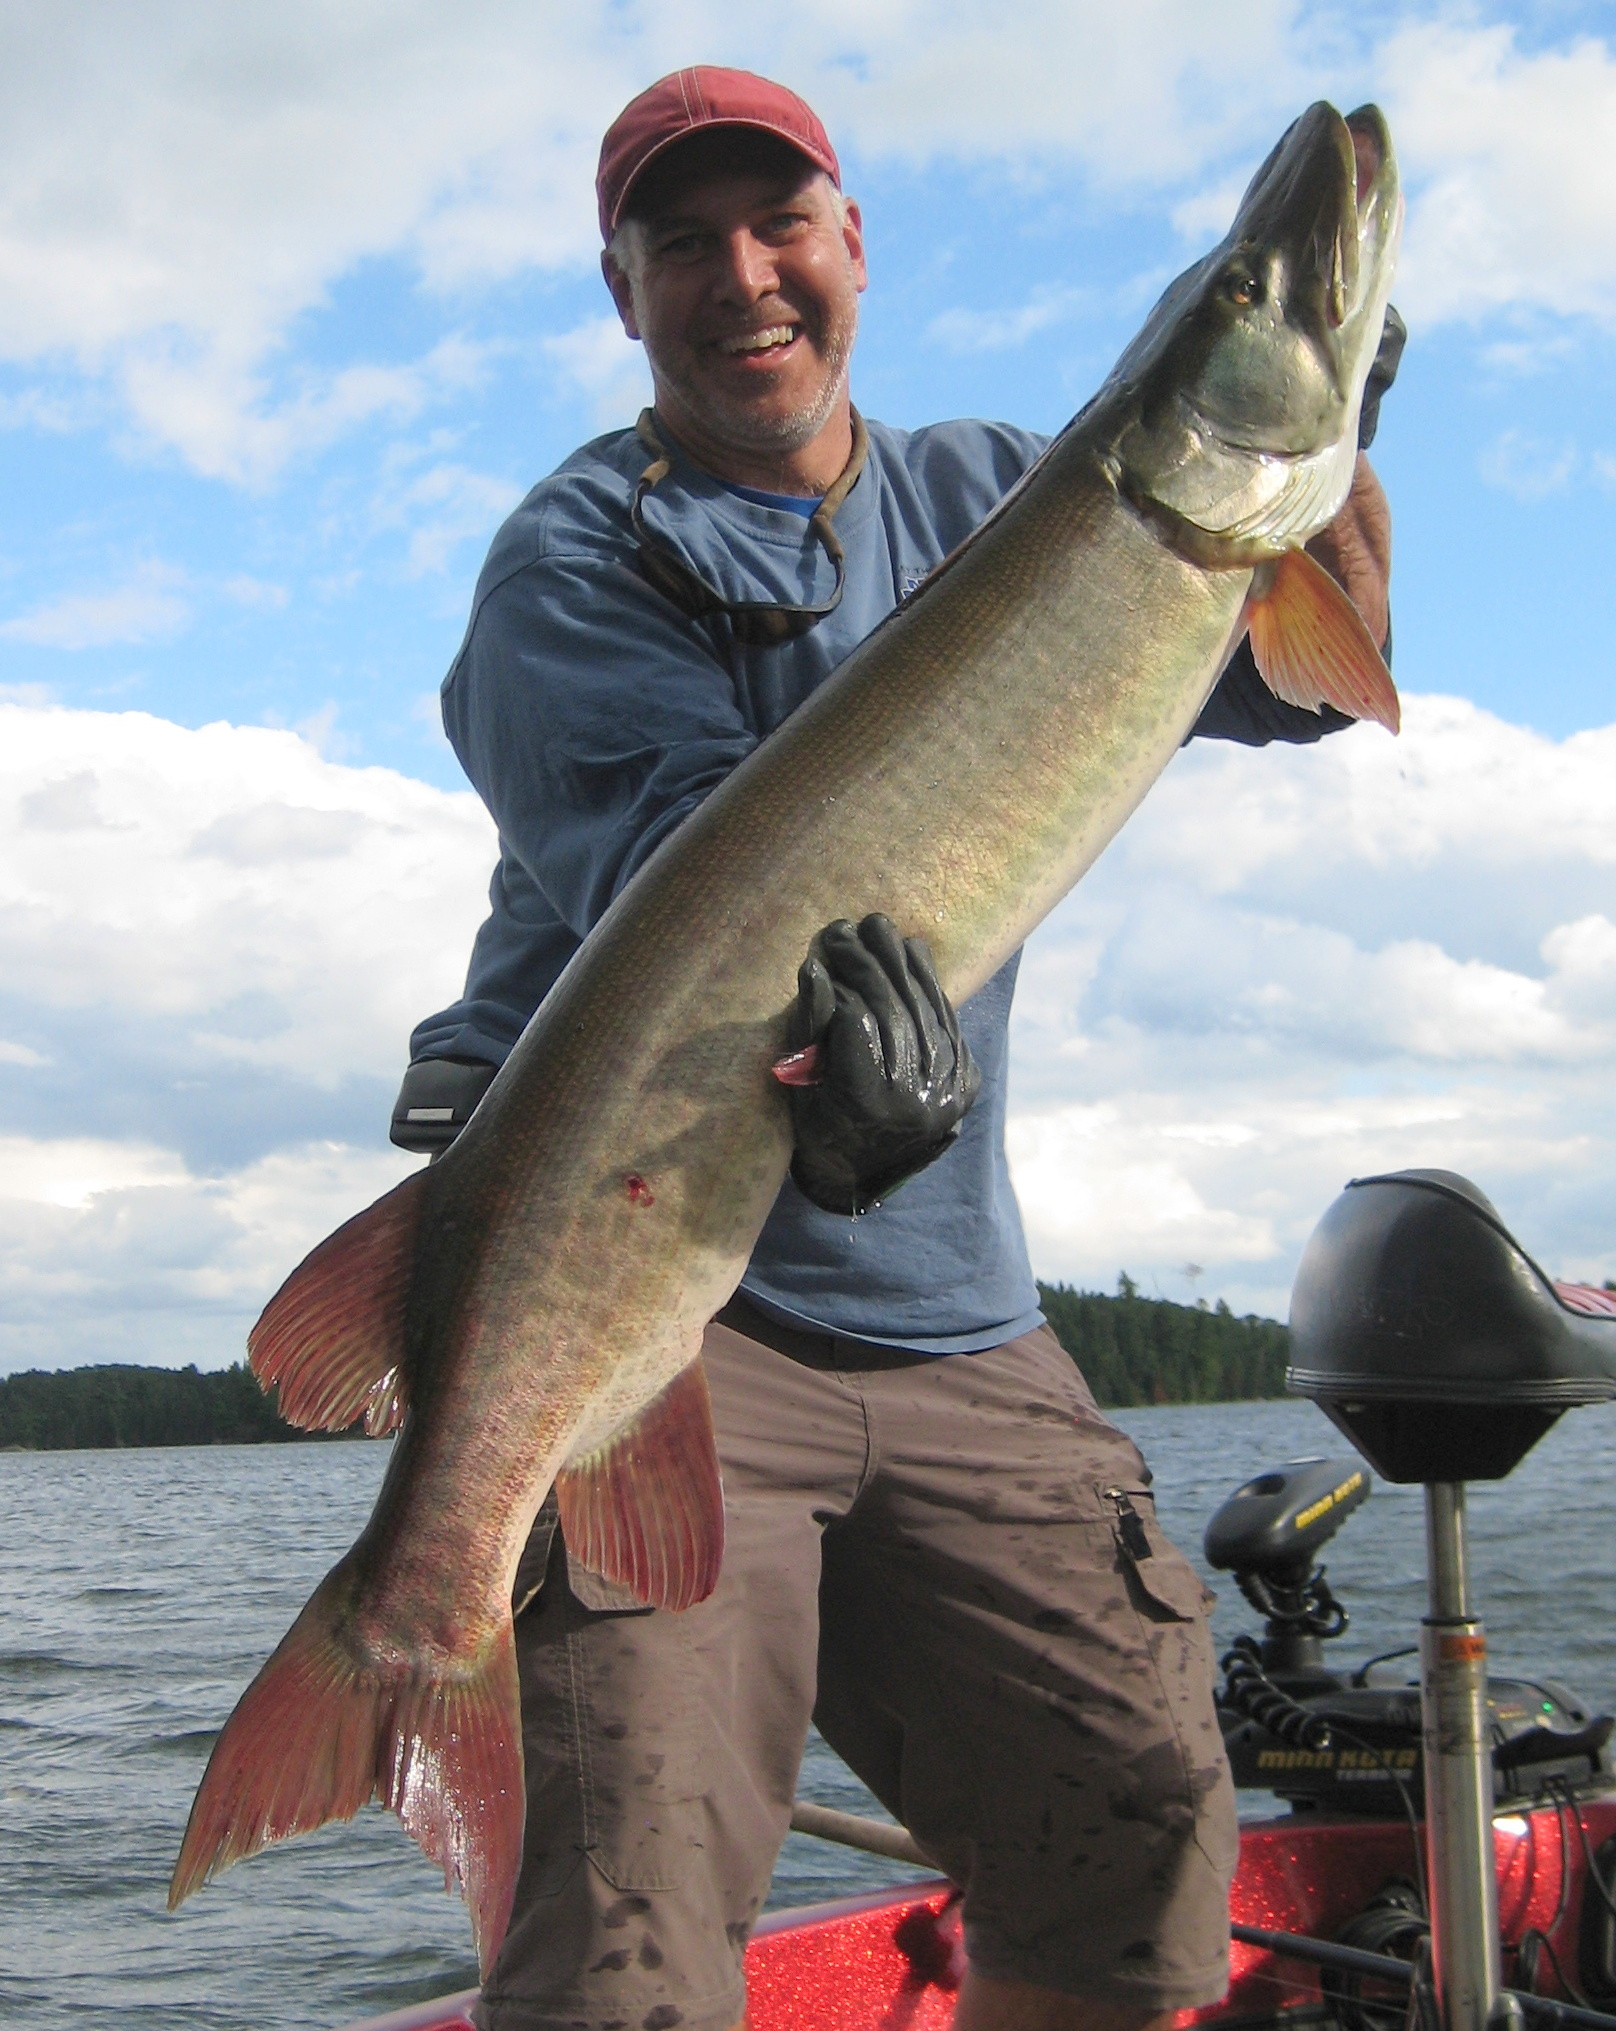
column 1242, row 287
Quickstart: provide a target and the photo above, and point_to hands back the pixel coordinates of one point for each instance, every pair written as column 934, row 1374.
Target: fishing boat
column 1446, row 1858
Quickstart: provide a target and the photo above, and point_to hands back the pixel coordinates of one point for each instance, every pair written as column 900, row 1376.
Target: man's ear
column 622, row 293
column 853, row 240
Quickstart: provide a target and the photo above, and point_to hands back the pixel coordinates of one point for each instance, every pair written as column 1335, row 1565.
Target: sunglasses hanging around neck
column 758, row 624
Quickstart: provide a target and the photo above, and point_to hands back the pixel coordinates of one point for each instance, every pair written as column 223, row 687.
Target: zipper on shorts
column 1130, row 1525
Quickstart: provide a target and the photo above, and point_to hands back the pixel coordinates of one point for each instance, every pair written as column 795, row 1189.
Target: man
column 936, row 1547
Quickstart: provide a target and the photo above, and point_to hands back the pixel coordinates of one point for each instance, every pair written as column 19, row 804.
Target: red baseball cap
column 684, row 103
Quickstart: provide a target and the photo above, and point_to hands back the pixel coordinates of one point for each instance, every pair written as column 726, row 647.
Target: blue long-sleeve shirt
column 593, row 716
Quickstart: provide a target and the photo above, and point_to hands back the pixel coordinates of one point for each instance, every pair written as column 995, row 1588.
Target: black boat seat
column 1426, row 1332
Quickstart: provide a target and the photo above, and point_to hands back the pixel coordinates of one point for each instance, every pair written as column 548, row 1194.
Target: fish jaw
column 1234, row 414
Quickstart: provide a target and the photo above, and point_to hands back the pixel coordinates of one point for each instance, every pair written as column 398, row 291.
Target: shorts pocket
column 1161, row 1580
column 644, row 1743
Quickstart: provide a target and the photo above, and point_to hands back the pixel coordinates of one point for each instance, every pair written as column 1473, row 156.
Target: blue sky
column 296, row 302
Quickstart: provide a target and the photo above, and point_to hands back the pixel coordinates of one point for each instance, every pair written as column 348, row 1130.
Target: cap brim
column 792, row 141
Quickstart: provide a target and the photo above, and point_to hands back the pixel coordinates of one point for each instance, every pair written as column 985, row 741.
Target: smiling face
column 741, row 272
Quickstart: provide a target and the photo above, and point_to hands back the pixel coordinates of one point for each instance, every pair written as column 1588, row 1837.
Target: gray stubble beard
column 782, row 433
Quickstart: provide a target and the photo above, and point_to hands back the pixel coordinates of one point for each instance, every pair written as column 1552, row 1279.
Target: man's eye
column 682, row 247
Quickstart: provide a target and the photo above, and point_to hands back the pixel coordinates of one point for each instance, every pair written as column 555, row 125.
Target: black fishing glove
column 1388, row 355
column 438, row 1097
column 892, row 1078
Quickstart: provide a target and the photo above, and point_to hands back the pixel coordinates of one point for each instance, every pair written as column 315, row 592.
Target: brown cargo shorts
column 953, row 1566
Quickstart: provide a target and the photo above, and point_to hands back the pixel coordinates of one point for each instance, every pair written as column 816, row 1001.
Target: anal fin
column 647, row 1508
column 1312, row 646
column 331, row 1339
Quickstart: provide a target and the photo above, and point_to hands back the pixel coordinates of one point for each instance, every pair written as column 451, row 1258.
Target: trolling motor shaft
column 1461, row 1875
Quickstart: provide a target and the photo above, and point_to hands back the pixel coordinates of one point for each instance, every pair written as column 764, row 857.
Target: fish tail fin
column 1312, row 646
column 320, row 1732
column 331, row 1339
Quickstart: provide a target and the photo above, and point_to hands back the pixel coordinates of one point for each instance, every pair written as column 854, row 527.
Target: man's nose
column 750, row 271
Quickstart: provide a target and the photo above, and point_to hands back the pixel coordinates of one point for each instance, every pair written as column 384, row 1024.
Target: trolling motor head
column 1268, row 1533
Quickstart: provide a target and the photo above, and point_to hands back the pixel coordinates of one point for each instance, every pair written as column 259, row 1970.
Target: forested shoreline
column 1133, row 1349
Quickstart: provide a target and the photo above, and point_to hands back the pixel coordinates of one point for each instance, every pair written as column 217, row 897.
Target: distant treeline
column 121, row 1406
column 1132, row 1349
column 1149, row 1350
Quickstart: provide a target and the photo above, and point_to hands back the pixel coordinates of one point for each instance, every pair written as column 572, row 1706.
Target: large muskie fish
column 530, row 1309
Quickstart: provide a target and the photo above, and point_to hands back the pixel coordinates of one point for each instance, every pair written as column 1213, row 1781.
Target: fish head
column 1239, row 399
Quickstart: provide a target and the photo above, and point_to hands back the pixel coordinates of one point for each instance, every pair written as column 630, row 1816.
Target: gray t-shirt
column 593, row 716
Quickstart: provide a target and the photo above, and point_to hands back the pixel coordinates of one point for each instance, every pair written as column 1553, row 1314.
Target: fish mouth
column 1369, row 146
column 1320, row 223
column 1242, row 390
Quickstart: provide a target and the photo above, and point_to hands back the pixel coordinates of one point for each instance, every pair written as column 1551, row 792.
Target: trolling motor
column 1323, row 1739
column 1267, row 1534
column 1427, row 1334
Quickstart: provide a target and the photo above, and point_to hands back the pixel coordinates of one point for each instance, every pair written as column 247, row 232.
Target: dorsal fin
column 1311, row 643
column 331, row 1339
column 647, row 1508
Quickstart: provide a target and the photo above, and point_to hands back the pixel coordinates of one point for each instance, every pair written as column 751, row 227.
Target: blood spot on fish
column 651, row 1955
column 662, row 2018
column 612, row 1963
column 639, row 1192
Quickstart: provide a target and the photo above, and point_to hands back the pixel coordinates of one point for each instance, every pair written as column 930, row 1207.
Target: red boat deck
column 891, row 1961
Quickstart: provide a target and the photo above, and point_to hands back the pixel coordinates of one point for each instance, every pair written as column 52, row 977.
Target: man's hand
column 1356, row 550
column 892, row 1078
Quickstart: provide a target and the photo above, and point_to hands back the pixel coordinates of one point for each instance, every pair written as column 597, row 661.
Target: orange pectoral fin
column 331, row 1339
column 647, row 1508
column 1311, row 644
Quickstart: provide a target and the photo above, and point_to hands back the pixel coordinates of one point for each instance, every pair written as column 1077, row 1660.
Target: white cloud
column 112, row 1252
column 219, row 411
column 1295, row 966
column 147, row 608
column 1518, row 463
column 279, row 908
column 983, row 331
column 211, row 942
column 1510, row 150
column 256, row 593
column 609, row 367
column 180, row 183
column 442, row 507
column 1145, row 94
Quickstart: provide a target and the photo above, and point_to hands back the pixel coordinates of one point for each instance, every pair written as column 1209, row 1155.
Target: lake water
column 140, row 1591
